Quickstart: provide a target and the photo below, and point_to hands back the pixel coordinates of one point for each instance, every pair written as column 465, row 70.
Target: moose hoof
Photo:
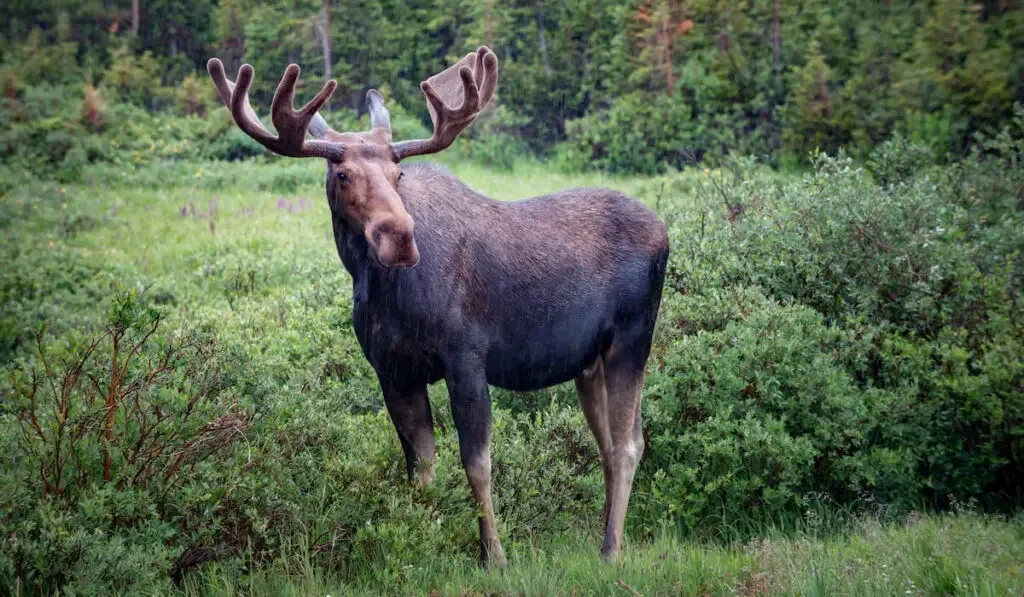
column 611, row 554
column 425, row 477
column 493, row 557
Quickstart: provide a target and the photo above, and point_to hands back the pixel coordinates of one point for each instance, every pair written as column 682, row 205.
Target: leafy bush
column 752, row 417
column 102, row 435
column 638, row 133
column 898, row 161
column 840, row 338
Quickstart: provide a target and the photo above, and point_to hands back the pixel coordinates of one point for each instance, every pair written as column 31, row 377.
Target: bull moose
column 449, row 284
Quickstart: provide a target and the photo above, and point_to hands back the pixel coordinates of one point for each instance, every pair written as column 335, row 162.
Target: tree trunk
column 542, row 40
column 325, row 39
column 776, row 46
column 323, row 31
column 135, row 17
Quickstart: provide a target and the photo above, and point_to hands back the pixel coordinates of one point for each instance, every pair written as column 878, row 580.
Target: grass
column 957, row 554
column 247, row 248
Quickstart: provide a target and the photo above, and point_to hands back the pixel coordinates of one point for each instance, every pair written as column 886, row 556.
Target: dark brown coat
column 448, row 284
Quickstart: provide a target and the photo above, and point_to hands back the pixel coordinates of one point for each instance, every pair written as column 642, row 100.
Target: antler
column 468, row 84
column 291, row 124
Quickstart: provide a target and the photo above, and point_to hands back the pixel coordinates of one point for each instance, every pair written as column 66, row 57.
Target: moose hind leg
column 471, row 411
column 624, row 380
column 410, row 412
column 592, row 393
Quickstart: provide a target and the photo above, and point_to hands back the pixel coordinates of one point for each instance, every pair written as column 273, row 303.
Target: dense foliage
column 636, row 86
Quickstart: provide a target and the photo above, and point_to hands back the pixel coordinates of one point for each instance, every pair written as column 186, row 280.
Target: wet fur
column 538, row 287
column 448, row 284
column 520, row 295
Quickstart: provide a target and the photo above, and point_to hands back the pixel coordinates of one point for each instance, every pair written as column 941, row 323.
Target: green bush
column 105, row 435
column 638, row 133
column 752, row 417
column 837, row 337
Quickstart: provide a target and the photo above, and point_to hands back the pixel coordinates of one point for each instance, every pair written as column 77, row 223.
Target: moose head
column 362, row 167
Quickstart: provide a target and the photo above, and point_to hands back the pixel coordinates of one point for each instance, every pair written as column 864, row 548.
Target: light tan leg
column 624, row 384
column 590, row 388
column 479, row 475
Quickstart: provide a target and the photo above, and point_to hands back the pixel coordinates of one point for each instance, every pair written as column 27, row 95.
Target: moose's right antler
column 291, row 124
column 468, row 84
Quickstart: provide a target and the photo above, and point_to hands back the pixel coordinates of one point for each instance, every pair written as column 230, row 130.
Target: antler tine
column 245, row 117
column 477, row 78
column 226, row 90
column 486, row 74
column 292, row 125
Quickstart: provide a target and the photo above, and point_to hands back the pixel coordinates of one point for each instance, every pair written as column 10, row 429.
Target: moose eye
column 342, row 177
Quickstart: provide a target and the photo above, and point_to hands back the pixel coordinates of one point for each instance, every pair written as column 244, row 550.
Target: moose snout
column 393, row 241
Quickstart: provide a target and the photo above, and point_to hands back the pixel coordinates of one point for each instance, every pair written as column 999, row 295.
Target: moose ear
column 379, row 117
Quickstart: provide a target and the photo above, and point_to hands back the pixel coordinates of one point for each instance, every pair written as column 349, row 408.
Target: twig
column 628, row 588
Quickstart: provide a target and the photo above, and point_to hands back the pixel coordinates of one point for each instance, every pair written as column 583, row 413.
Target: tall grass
column 956, row 554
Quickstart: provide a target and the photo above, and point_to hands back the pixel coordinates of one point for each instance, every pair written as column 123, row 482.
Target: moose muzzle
column 392, row 239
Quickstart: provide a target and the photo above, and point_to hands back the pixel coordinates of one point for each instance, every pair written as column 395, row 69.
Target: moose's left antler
column 468, row 84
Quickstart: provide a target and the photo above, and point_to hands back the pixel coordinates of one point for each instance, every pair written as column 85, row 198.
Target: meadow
column 834, row 402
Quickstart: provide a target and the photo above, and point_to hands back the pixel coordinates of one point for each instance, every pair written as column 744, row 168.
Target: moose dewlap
column 449, row 284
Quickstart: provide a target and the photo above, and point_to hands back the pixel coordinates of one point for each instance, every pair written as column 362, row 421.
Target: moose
column 450, row 285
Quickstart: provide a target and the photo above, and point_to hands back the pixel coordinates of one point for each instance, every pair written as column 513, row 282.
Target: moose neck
column 353, row 250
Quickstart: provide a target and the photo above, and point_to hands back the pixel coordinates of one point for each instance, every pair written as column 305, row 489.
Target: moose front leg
column 410, row 412
column 471, row 411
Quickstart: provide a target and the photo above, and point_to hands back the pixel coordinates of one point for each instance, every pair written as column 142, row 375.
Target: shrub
column 751, row 417
column 103, row 437
column 133, row 78
column 898, row 161
column 638, row 133
column 839, row 338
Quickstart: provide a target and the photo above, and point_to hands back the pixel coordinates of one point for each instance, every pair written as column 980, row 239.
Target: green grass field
column 245, row 249
column 935, row 555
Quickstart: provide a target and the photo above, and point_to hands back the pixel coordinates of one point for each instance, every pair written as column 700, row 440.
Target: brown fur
column 521, row 295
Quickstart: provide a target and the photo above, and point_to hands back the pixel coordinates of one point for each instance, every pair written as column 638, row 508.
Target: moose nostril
column 385, row 228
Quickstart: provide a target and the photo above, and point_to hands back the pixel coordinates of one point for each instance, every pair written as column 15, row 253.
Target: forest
column 834, row 403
